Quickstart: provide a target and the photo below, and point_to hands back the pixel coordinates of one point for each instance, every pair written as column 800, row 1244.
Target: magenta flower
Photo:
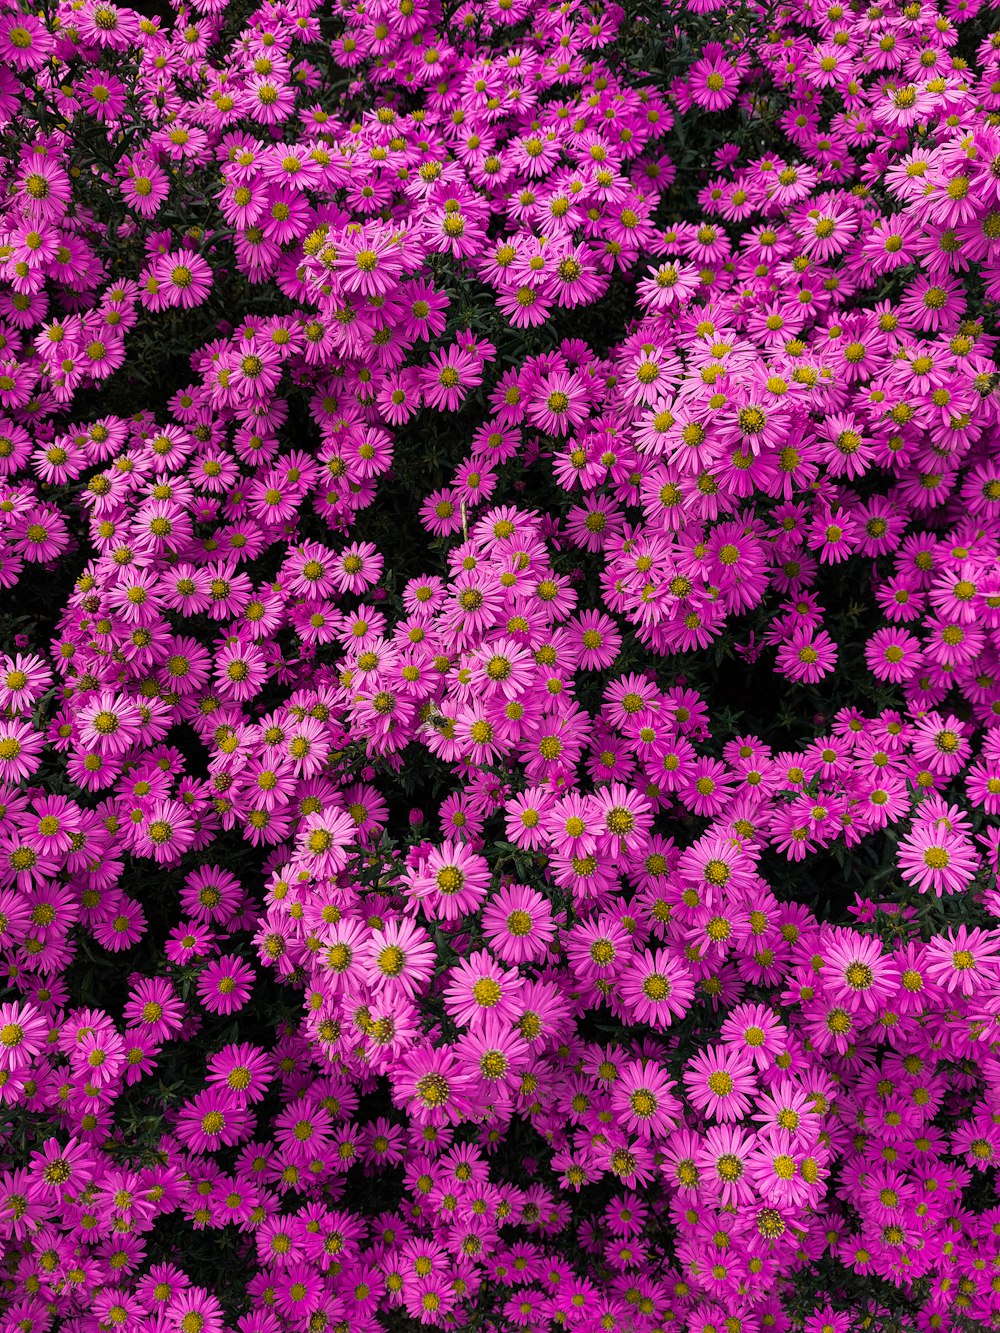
column 400, row 957
column 450, row 880
column 20, row 749
column 808, row 656
column 935, row 858
column 657, row 988
column 643, row 1097
column 182, row 279
column 518, row 924
column 719, row 1082
column 22, row 1035
column 433, row 1084
column 225, row 986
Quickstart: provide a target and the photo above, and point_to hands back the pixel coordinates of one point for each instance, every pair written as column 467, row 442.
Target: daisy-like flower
column 526, row 817
column 452, row 374
column 144, row 185
column 786, row 1171
column 720, row 1082
column 940, row 743
column 166, row 833
column 657, row 987
column 723, row 1161
column 894, row 655
column 183, row 278
column 479, row 986
column 370, row 259
column 518, row 924
column 20, row 749
column 357, row 567
column 109, row 723
column 713, row 83
column 450, row 881
column 212, row 1120
column 963, row 960
column 786, row 1105
column 240, row 670
column 399, row 957
column 433, row 1084
column 495, row 1054
column 61, row 1170
column 572, row 827
column 225, row 985
column 504, row 667
column 598, row 949
column 324, row 842
column 643, row 1099
column 598, row 640
column 937, row 859
column 24, row 678
column 22, row 1035
column 808, row 656
column 856, row 973
column 625, row 818
column 155, row 1008
column 755, row 1030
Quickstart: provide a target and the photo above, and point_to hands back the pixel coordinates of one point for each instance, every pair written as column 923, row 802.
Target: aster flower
column 451, row 375
column 657, row 987
column 934, row 858
column 723, row 1164
column 59, row 1169
column 400, row 957
column 20, row 749
column 495, row 1055
column 22, row 1035
column 433, row 1084
column 786, row 1172
column 808, row 656
column 154, row 1008
column 324, row 840
column 24, row 678
column 182, row 279
column 225, row 985
column 478, row 986
column 144, row 185
column 518, row 924
column 110, row 723
column 451, row 879
column 962, row 959
column 856, row 972
column 754, row 1030
column 643, row 1097
column 599, row 949
column 719, row 1082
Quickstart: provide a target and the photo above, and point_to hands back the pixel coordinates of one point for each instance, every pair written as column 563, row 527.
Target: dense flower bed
column 500, row 725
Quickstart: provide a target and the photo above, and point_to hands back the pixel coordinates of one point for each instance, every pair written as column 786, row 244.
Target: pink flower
column 934, row 858
column 657, row 988
column 518, row 924
column 808, row 656
column 182, row 278
column 20, row 749
column 22, row 1035
column 225, row 986
column 719, row 1082
column 400, row 957
column 643, row 1098
column 856, row 972
column 451, row 375
column 450, row 880
column 433, row 1084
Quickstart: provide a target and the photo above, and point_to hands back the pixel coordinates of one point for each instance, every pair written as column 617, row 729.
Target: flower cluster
column 577, row 1041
